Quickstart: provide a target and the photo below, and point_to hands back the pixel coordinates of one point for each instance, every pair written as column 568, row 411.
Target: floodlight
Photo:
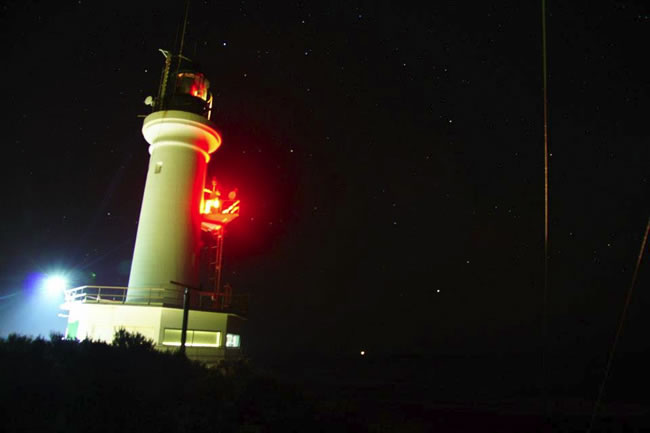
column 55, row 284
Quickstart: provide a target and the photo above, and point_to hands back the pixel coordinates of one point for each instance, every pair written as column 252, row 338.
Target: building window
column 195, row 338
column 158, row 167
column 206, row 338
column 172, row 337
column 232, row 340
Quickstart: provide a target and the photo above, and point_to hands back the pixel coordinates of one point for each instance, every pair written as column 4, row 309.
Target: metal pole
column 219, row 258
column 186, row 312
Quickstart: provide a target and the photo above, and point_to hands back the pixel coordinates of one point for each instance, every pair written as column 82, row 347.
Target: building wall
column 198, row 320
column 167, row 244
column 100, row 321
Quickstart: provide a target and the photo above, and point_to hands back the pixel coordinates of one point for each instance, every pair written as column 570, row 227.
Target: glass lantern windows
column 193, row 84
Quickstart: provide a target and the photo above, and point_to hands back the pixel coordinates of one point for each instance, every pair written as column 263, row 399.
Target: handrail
column 155, row 296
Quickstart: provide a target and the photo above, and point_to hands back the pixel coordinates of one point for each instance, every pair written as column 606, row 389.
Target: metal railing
column 169, row 297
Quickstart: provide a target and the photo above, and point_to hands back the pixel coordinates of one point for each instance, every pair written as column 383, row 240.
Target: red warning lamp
column 216, row 211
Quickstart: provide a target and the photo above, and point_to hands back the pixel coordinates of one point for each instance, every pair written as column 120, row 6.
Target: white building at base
column 97, row 313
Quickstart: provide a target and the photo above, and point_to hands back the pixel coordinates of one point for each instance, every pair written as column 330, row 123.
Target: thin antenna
column 178, row 29
column 180, row 48
column 187, row 10
column 546, row 213
column 619, row 329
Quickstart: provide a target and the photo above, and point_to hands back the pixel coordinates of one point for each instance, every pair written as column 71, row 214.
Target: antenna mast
column 187, row 11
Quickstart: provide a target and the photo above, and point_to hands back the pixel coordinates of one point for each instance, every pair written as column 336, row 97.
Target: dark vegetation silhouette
column 60, row 385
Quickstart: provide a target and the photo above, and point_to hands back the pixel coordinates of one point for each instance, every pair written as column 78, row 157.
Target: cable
column 544, row 330
column 619, row 329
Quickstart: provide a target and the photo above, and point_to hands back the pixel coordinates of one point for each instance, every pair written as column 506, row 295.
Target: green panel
column 71, row 330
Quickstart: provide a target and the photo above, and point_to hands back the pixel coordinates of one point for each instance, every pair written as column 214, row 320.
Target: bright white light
column 362, row 353
column 55, row 284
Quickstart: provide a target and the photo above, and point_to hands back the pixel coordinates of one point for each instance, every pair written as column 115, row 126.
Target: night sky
column 389, row 159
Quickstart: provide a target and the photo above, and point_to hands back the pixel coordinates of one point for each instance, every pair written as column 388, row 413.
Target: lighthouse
column 181, row 139
column 174, row 295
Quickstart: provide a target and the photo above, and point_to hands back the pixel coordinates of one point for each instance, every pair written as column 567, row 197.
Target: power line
column 544, row 324
column 619, row 329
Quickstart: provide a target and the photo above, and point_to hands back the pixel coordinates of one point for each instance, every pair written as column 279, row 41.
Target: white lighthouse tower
column 174, row 295
column 181, row 138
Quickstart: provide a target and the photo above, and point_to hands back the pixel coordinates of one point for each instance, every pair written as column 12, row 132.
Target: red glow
column 217, row 212
column 232, row 209
column 210, row 226
column 196, row 91
column 211, row 204
column 193, row 84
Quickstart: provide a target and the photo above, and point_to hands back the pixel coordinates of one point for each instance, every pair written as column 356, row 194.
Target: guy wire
column 619, row 329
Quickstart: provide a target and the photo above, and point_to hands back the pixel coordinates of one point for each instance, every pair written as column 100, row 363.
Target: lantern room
column 182, row 87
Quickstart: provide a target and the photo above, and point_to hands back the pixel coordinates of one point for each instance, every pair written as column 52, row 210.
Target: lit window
column 232, row 340
column 172, row 337
column 206, row 338
column 193, row 84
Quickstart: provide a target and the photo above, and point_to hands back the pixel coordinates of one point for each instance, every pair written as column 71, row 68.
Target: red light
column 217, row 211
column 193, row 84
column 211, row 204
column 232, row 209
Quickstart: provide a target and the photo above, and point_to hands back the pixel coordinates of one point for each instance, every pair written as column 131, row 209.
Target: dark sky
column 389, row 159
